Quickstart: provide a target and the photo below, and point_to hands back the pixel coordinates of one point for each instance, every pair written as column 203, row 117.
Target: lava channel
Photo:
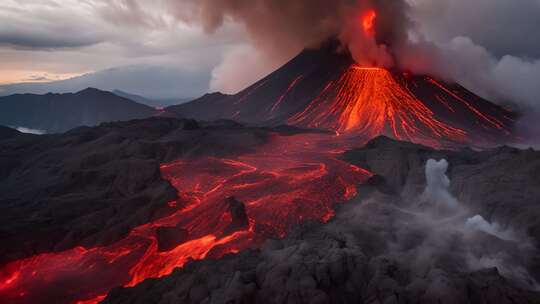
column 289, row 180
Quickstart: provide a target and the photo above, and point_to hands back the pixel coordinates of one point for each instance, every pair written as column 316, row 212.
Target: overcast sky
column 492, row 46
column 44, row 40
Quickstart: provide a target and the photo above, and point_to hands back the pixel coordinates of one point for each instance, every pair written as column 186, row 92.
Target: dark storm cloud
column 45, row 40
column 279, row 27
column 47, row 25
column 490, row 46
column 503, row 27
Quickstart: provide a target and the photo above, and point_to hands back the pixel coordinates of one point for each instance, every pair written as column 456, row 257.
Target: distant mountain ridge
column 56, row 113
column 151, row 81
column 153, row 102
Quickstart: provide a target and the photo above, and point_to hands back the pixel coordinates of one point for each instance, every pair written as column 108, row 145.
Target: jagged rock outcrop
column 170, row 237
column 239, row 217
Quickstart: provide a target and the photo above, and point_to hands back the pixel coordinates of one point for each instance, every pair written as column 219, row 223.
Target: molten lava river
column 288, row 180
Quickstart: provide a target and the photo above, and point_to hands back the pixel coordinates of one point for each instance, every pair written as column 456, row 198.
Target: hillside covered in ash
column 429, row 227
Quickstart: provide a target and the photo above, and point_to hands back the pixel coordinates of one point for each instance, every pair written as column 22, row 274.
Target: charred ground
column 372, row 251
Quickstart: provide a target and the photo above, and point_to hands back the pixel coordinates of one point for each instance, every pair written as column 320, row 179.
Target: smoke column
column 279, row 29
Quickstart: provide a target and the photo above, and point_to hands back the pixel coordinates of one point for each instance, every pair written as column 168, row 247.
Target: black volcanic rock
column 6, row 132
column 60, row 112
column 169, row 238
column 240, row 220
column 379, row 250
column 92, row 185
column 193, row 108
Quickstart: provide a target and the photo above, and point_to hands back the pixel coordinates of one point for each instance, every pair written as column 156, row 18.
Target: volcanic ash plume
column 281, row 28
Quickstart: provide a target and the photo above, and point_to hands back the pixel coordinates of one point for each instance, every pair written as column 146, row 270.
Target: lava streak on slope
column 288, row 180
column 370, row 102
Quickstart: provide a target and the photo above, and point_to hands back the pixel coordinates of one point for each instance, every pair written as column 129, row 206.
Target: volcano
column 128, row 203
column 325, row 89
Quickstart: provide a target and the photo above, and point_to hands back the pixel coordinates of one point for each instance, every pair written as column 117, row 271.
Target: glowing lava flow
column 493, row 122
column 289, row 89
column 289, row 180
column 370, row 102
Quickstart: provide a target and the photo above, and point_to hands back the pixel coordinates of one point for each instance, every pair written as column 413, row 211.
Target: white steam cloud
column 437, row 192
column 438, row 184
column 479, row 223
column 240, row 66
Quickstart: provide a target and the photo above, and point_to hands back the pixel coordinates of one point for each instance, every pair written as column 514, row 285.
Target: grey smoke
column 415, row 233
column 281, row 28
column 501, row 26
column 479, row 223
column 438, row 184
column 489, row 46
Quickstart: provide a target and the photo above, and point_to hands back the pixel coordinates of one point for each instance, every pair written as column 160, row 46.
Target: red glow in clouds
column 368, row 22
